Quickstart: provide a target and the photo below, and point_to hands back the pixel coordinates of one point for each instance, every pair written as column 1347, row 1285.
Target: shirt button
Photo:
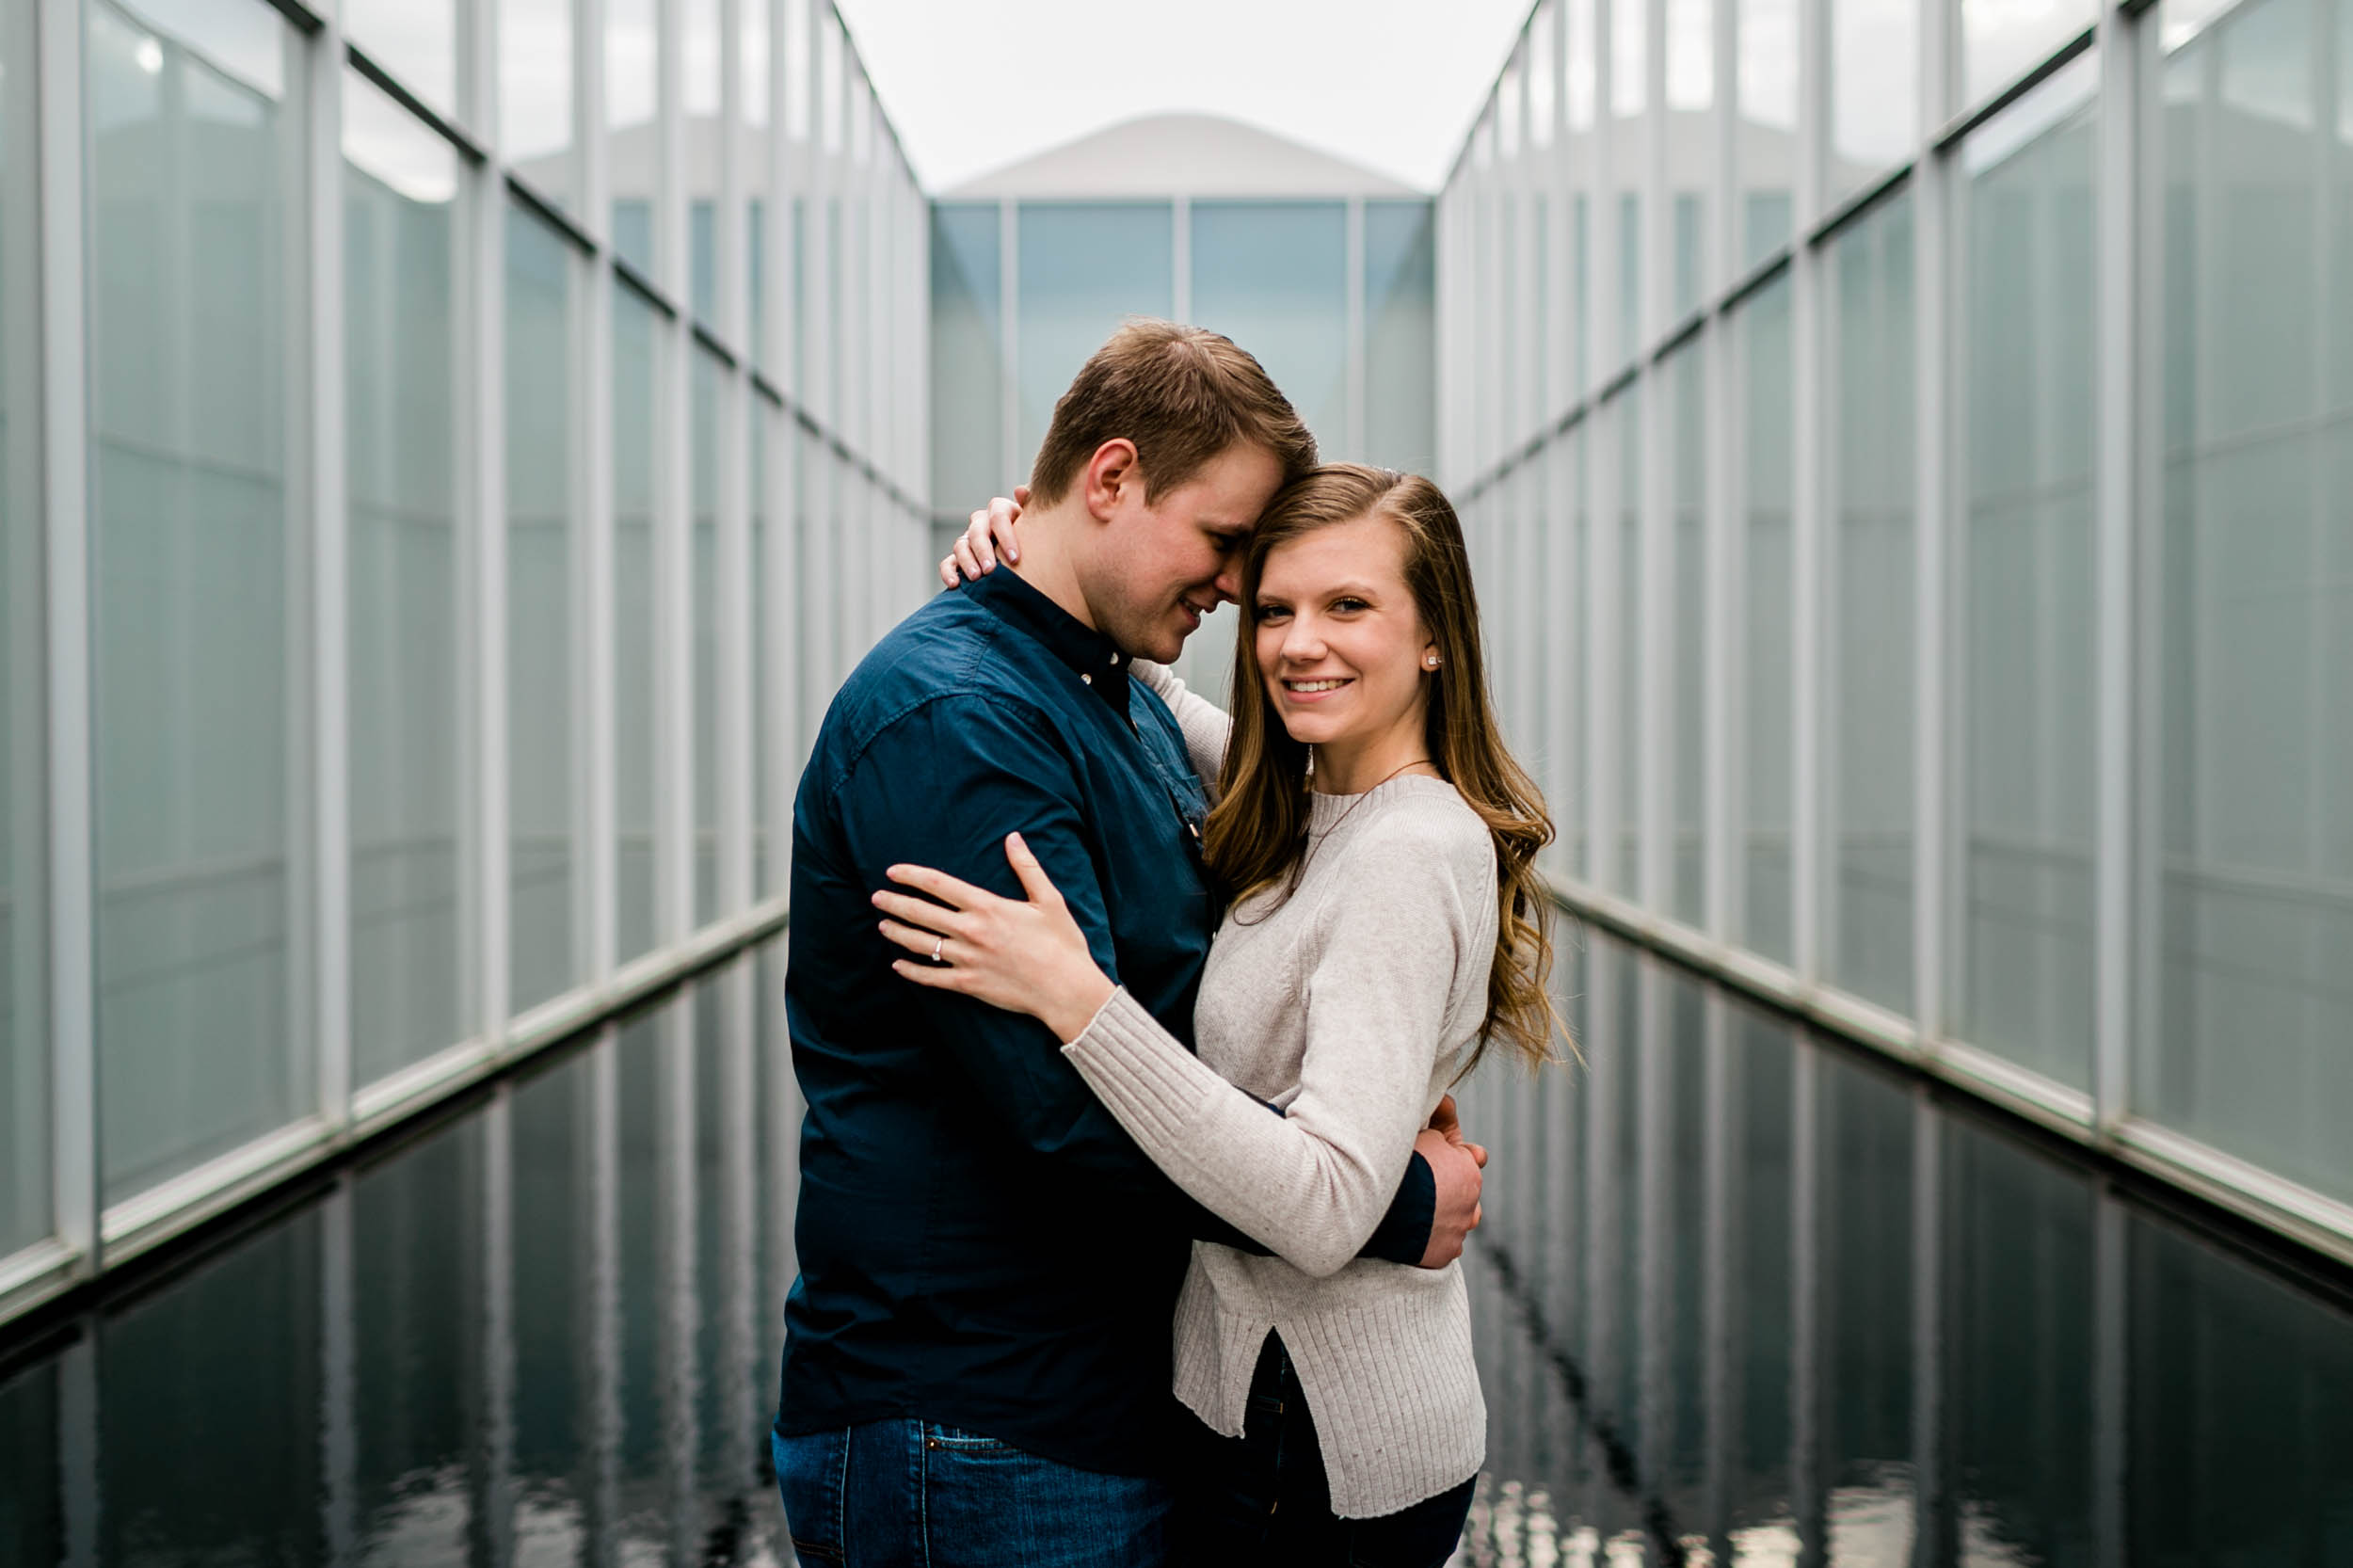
column 1088, row 678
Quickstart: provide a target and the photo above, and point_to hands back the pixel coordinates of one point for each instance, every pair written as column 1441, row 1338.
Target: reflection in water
column 1742, row 1297
column 1747, row 1298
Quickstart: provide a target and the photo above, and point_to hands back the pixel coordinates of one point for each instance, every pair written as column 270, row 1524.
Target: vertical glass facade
column 400, row 326
column 381, row 633
column 2252, row 949
column 1946, row 619
column 192, row 204
column 24, row 1077
column 1083, row 266
column 1274, row 275
column 546, row 939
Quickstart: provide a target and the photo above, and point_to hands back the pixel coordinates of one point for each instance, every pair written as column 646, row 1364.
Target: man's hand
column 1456, row 1166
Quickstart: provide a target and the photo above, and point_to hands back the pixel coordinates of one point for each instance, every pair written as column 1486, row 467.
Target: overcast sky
column 973, row 84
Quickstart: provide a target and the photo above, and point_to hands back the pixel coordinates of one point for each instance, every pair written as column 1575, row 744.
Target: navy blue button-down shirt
column 980, row 1243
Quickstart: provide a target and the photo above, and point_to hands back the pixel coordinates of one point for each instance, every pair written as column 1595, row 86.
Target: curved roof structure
column 1178, row 154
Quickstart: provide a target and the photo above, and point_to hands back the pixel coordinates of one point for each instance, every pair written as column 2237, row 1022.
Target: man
column 976, row 1363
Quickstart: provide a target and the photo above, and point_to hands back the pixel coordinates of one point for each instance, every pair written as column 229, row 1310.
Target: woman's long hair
column 1257, row 833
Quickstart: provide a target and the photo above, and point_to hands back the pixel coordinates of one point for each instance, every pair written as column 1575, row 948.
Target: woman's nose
column 1303, row 644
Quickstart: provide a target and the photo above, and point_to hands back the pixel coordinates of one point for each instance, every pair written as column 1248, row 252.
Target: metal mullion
column 1722, row 634
column 594, row 644
column 2111, row 1367
column 1358, row 327
column 1655, row 1163
column 1809, row 267
column 339, row 1374
column 673, row 507
column 1807, row 1337
column 1601, row 484
column 1934, row 1517
column 62, row 418
column 677, row 1200
column 2123, row 415
column 495, row 1434
column 1721, row 1176
column 1528, row 169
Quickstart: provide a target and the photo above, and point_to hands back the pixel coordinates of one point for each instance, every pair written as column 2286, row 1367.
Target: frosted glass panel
column 1875, row 88
column 535, row 95
column 400, row 344
column 416, row 40
column 1765, row 131
column 1084, row 267
column 968, row 362
column 632, row 100
column 2002, row 39
column 2247, row 1045
column 1400, row 336
column 2023, row 755
column 1765, row 716
column 545, row 854
column 1870, row 705
column 25, row 1179
column 1567, row 779
column 1619, row 852
column 1273, row 276
column 1684, row 638
column 189, row 209
column 707, row 399
column 634, row 732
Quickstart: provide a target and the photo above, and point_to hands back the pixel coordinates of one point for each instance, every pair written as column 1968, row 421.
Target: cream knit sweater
column 1349, row 1004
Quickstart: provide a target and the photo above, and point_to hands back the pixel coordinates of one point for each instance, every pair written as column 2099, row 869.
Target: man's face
column 1164, row 564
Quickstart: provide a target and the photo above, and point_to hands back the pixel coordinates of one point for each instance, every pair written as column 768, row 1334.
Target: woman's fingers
column 934, row 975
column 975, row 550
column 914, row 938
column 1003, row 514
column 939, row 885
column 1034, row 881
column 921, row 912
column 949, row 575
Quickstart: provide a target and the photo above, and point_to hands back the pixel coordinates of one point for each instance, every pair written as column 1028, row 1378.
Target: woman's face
column 1340, row 643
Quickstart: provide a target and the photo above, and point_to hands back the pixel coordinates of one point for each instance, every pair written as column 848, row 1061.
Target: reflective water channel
column 1743, row 1296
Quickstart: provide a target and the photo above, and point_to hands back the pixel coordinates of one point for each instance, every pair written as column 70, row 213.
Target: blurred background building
column 452, row 450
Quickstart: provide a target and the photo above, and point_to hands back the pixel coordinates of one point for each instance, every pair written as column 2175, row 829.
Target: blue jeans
column 903, row 1494
column 1263, row 1498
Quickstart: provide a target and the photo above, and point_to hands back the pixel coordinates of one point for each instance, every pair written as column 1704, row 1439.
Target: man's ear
column 1109, row 472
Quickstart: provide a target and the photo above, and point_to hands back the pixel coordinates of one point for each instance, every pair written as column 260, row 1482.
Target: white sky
column 973, row 84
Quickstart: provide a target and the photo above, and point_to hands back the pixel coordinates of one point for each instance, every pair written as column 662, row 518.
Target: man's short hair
column 1183, row 396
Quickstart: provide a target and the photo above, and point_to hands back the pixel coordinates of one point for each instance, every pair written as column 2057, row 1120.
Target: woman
column 1377, row 845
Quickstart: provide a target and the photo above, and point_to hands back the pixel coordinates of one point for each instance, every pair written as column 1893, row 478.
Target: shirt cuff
column 1404, row 1234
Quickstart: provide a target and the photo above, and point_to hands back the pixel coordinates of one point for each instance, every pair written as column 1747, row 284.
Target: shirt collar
column 1093, row 657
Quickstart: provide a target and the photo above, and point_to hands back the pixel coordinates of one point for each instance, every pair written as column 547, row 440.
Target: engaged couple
column 1131, row 1198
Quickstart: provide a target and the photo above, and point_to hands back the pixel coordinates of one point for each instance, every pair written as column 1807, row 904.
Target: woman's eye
column 1348, row 604
column 1271, row 611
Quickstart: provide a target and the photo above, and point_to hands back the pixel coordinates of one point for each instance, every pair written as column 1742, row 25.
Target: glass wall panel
column 2001, row 40
column 191, row 157
column 1765, row 716
column 635, row 395
column 544, row 858
column 1766, row 132
column 1869, row 706
column 968, row 359
column 1567, row 782
column 756, row 58
column 2023, row 755
column 2253, row 1004
column 1691, row 147
column 1083, row 267
column 416, row 40
column 1629, row 162
column 536, row 96
column 1400, row 336
column 1273, row 276
column 1875, row 88
column 632, row 96
column 400, row 385
column 25, row 1170
column 1684, row 640
column 707, row 402
column 772, row 646
column 1620, row 855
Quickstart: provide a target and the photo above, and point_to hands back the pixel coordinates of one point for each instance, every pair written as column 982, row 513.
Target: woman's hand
column 1025, row 957
column 989, row 534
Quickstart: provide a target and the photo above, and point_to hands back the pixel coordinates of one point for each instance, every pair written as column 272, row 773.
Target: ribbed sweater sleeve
column 1206, row 725
column 1380, row 960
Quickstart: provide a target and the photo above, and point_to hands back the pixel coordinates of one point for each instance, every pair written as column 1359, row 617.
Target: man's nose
column 1229, row 586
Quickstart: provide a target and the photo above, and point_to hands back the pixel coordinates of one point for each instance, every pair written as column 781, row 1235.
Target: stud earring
column 1431, row 660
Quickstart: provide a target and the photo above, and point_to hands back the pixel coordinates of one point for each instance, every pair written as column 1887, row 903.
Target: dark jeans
column 1264, row 1496
column 903, row 1494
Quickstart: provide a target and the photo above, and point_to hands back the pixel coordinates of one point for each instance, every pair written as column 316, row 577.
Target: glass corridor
column 1744, row 1296
column 445, row 464
column 1906, row 447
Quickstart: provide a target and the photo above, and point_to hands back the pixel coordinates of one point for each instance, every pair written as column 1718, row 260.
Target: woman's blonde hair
column 1257, row 837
